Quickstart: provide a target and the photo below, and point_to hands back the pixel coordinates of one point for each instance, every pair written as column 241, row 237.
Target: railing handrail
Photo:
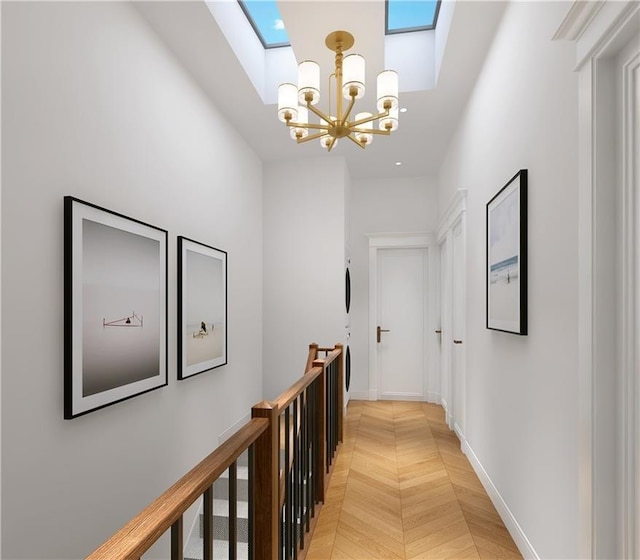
column 286, row 398
column 313, row 352
column 333, row 354
column 321, row 384
column 137, row 536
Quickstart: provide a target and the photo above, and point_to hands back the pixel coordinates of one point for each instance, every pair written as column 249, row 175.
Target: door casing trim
column 378, row 241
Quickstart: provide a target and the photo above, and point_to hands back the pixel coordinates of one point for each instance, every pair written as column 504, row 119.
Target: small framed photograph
column 507, row 257
column 115, row 312
column 202, row 307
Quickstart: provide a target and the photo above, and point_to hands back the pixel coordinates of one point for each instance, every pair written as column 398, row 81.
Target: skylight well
column 265, row 18
column 403, row 16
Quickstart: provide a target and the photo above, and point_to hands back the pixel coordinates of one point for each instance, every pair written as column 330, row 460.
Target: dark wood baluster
column 312, row 444
column 304, row 467
column 207, row 543
column 333, row 411
column 252, row 467
column 177, row 540
column 233, row 511
column 341, row 366
column 329, row 416
column 282, row 469
column 321, row 434
column 287, row 475
column 334, row 422
column 294, row 478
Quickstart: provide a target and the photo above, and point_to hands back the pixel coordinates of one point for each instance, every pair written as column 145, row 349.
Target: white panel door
column 402, row 278
column 458, row 332
column 445, row 329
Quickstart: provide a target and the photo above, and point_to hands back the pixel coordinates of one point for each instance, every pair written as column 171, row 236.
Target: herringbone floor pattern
column 402, row 489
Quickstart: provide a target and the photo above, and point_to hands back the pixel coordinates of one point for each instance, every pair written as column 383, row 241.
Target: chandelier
column 294, row 103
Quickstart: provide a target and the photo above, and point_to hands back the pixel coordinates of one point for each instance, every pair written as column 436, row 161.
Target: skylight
column 264, row 17
column 411, row 15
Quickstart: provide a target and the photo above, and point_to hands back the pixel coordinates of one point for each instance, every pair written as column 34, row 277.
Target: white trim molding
column 605, row 329
column 593, row 25
column 453, row 219
column 518, row 535
column 577, row 20
column 630, row 311
column 452, row 214
column 395, row 240
column 400, row 240
column 363, row 395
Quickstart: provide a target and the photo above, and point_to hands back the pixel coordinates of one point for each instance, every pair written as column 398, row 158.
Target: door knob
column 439, row 331
column 379, row 331
column 457, row 341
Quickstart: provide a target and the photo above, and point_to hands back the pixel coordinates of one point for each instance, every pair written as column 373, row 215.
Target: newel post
column 321, row 431
column 266, row 485
column 340, row 347
column 313, row 354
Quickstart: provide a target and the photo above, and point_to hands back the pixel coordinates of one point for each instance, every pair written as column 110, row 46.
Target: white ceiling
column 192, row 34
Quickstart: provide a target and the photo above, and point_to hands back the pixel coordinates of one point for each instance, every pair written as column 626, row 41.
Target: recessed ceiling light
column 398, row 163
column 403, row 109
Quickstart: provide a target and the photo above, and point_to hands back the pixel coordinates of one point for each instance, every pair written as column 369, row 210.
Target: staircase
column 193, row 549
column 293, row 440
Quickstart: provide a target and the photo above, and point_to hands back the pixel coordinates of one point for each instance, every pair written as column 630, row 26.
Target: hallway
column 401, row 488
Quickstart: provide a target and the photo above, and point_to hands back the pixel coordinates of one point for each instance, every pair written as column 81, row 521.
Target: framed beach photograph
column 507, row 257
column 202, row 307
column 115, row 313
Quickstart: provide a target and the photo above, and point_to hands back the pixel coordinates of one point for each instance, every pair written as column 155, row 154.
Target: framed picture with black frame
column 115, row 307
column 202, row 307
column 507, row 257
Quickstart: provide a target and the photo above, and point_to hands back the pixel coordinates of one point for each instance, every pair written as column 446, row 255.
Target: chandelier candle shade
column 295, row 103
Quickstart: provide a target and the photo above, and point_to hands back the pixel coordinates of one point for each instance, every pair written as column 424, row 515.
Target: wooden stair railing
column 310, row 421
column 292, row 442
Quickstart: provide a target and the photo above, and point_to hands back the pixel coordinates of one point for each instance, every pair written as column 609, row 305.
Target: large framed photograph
column 202, row 307
column 507, row 257
column 115, row 316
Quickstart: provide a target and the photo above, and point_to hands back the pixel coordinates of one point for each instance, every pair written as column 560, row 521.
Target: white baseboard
column 401, row 397
column 224, row 436
column 362, row 396
column 433, row 397
column 447, row 417
column 521, row 540
column 461, row 437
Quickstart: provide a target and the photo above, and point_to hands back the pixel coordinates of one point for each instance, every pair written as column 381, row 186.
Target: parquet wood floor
column 402, row 489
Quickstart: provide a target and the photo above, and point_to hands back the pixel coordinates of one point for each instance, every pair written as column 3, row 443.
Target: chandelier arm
column 311, row 137
column 355, row 141
column 309, row 125
column 371, row 118
column 375, row 131
column 348, row 111
column 324, row 117
column 331, row 144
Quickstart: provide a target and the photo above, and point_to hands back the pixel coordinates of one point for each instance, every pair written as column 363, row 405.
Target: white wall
column 522, row 392
column 304, row 238
column 94, row 106
column 407, row 205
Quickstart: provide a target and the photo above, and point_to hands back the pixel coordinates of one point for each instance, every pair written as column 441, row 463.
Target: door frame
column 459, row 361
column 377, row 242
column 599, row 29
column 453, row 219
